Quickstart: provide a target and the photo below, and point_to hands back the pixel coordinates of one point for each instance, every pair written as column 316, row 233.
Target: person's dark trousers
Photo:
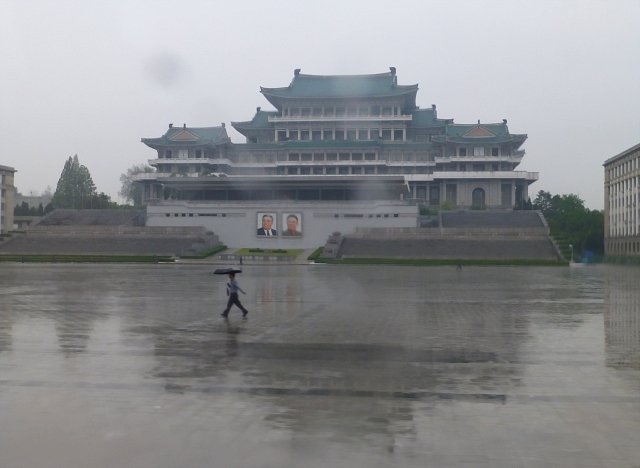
column 233, row 299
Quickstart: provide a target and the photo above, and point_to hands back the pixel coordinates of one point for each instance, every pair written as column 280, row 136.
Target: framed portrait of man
column 267, row 226
column 292, row 225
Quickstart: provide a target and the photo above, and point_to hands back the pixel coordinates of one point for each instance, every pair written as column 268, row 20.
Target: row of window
column 355, row 156
column 475, row 167
column 185, row 154
column 623, row 247
column 624, row 167
column 341, row 111
column 350, row 134
column 351, row 170
column 478, row 151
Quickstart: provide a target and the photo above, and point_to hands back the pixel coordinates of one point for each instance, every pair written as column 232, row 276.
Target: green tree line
column 568, row 218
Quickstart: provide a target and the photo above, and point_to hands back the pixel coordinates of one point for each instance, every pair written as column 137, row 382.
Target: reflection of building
column 622, row 203
column 347, row 140
column 6, row 199
column 622, row 317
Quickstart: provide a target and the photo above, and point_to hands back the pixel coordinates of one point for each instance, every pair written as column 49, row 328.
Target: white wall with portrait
column 281, row 224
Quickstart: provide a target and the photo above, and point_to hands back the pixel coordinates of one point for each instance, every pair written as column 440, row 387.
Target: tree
column 569, row 218
column 75, row 185
column 130, row 190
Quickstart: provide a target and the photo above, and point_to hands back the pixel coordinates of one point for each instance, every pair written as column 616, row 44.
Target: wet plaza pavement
column 336, row 366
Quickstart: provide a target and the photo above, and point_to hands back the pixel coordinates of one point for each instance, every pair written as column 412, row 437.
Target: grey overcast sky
column 92, row 78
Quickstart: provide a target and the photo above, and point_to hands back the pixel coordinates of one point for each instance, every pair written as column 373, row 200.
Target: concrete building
column 340, row 152
column 622, row 204
column 7, row 194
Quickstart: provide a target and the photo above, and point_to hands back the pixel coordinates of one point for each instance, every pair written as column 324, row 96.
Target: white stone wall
column 236, row 223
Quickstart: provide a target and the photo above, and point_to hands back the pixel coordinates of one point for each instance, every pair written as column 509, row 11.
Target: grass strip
column 268, row 252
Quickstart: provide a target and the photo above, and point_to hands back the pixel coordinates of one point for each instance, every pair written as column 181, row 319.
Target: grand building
column 622, row 204
column 338, row 152
column 6, row 198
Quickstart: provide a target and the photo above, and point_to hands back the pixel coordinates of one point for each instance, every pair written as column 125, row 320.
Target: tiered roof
column 189, row 137
column 341, row 87
column 479, row 133
column 260, row 121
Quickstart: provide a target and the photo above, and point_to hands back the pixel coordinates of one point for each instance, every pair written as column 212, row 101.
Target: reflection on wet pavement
column 132, row 366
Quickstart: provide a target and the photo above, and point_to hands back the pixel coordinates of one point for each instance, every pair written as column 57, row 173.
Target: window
column 330, row 170
column 343, row 170
column 183, row 154
column 369, row 170
column 318, row 156
column 198, row 153
column 167, row 154
column 305, row 157
column 344, row 156
column 363, row 111
column 306, row 170
column 293, row 112
column 462, row 151
column 340, row 135
column 386, row 111
column 317, row 170
column 375, row 110
column 363, row 134
column 340, row 111
column 356, row 156
column 293, row 134
column 316, row 135
column 375, row 133
column 356, row 170
column 495, row 151
column 317, row 111
column 478, row 150
column 305, row 112
column 398, row 135
column 351, row 134
column 294, row 157
column 327, row 135
column 386, row 134
column 370, row 156
column 328, row 111
column 332, row 156
column 352, row 111
column 292, row 170
column 282, row 135
column 304, row 135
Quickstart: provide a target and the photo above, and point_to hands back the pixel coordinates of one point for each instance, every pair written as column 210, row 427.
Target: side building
column 7, row 194
column 622, row 204
column 337, row 151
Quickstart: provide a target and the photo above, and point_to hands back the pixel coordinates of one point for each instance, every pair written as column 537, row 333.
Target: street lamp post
column 571, row 247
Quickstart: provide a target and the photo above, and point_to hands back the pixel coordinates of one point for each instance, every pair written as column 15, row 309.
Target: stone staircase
column 468, row 235
column 112, row 232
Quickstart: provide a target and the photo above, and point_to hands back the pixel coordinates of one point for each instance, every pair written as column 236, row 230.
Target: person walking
column 232, row 291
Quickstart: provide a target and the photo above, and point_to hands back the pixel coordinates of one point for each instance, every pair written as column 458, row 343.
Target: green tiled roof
column 341, row 86
column 479, row 133
column 260, row 121
column 426, row 118
column 189, row 136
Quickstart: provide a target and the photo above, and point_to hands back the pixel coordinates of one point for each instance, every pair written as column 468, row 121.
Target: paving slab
column 335, row 366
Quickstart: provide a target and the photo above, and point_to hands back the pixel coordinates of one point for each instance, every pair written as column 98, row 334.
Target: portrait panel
column 291, row 224
column 266, row 224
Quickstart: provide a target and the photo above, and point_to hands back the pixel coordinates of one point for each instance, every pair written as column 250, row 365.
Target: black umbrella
column 226, row 271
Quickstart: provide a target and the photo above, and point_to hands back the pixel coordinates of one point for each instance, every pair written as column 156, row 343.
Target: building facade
column 339, row 140
column 622, row 204
column 7, row 200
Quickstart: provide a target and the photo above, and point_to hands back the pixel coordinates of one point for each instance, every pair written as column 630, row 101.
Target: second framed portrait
column 292, row 224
